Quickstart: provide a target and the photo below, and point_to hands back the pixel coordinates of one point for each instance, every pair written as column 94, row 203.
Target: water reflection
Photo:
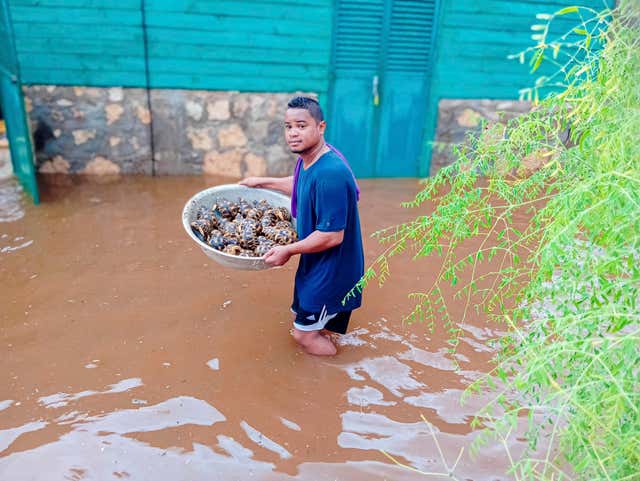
column 366, row 396
column 263, row 441
column 11, row 200
column 290, row 424
column 387, row 371
column 214, row 364
column 174, row 412
column 61, row 399
column 8, row 436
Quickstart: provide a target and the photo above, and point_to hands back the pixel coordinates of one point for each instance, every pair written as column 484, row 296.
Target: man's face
column 301, row 131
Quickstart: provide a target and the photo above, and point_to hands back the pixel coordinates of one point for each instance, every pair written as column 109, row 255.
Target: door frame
column 15, row 115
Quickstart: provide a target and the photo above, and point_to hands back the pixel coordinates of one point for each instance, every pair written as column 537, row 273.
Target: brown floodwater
column 128, row 354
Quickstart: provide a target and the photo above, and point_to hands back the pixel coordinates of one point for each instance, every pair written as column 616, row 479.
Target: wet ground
column 128, row 354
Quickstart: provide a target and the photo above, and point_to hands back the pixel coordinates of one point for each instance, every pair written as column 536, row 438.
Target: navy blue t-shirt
column 327, row 201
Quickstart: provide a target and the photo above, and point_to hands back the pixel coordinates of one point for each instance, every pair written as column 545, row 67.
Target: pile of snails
column 243, row 228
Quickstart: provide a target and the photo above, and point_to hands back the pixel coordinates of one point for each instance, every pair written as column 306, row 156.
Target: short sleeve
column 331, row 204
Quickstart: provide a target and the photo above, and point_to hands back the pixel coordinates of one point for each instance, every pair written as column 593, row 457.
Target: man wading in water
column 325, row 204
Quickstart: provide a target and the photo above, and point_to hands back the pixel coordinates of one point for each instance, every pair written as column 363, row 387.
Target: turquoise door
column 381, row 72
column 12, row 102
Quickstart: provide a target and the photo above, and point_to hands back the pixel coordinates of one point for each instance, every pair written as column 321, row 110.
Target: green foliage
column 555, row 225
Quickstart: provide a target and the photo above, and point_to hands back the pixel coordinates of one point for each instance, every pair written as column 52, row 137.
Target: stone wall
column 222, row 133
column 89, row 130
column 227, row 133
column 457, row 118
column 110, row 130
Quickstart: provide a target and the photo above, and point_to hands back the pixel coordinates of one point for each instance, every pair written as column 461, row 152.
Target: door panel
column 13, row 109
column 352, row 119
column 401, row 126
column 407, row 70
column 352, row 124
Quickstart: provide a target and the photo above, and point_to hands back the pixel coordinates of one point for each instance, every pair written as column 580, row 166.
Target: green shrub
column 567, row 284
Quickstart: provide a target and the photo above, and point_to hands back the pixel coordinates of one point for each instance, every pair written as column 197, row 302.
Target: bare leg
column 314, row 342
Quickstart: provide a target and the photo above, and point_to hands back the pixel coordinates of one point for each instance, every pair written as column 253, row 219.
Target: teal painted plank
column 169, row 81
column 483, row 81
column 185, row 4
column 274, row 11
column 7, row 60
column 93, row 4
column 461, row 37
column 160, row 57
column 94, row 46
column 170, row 65
column 511, row 8
column 488, row 51
column 74, row 61
column 76, row 16
column 597, row 4
column 507, row 22
column 249, row 55
column 485, row 85
column 94, row 78
column 240, row 26
column 221, row 82
column 7, row 50
column 482, row 77
column 224, row 39
column 456, row 66
column 25, row 31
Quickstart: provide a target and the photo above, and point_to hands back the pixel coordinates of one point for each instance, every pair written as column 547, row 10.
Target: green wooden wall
column 7, row 61
column 249, row 45
column 475, row 38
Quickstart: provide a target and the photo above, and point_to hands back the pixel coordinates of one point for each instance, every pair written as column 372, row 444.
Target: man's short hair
column 309, row 104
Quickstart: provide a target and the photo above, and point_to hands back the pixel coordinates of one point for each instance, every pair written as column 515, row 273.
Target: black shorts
column 315, row 321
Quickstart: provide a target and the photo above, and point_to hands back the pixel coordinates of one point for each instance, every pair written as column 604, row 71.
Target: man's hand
column 277, row 256
column 252, row 181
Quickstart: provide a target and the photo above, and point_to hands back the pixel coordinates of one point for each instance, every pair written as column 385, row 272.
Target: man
column 330, row 243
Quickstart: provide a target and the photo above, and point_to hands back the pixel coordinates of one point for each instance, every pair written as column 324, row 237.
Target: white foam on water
column 263, row 441
column 11, row 201
column 290, row 424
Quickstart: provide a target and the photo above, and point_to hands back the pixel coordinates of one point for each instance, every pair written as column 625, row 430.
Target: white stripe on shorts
column 322, row 321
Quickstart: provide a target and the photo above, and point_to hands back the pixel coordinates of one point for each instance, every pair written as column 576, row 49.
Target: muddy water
column 128, row 354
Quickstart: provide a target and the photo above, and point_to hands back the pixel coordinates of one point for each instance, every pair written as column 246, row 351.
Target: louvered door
column 404, row 87
column 357, row 49
column 382, row 67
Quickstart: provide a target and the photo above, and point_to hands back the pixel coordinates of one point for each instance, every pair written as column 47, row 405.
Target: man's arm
column 283, row 184
column 317, row 241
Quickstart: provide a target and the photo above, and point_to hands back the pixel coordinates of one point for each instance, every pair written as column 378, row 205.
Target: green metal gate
column 12, row 102
column 381, row 72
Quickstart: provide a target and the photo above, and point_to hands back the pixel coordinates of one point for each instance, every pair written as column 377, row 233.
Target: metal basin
column 230, row 192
